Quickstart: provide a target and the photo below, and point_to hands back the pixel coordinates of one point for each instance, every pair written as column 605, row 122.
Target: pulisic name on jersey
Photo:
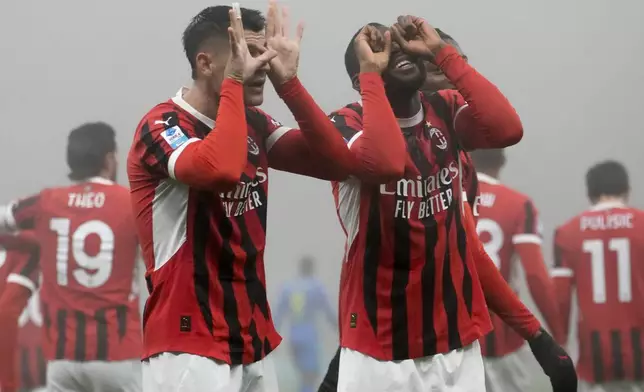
column 606, row 222
column 435, row 193
column 245, row 197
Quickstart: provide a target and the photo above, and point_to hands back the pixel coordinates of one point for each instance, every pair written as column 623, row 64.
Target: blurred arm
column 12, row 302
column 564, row 281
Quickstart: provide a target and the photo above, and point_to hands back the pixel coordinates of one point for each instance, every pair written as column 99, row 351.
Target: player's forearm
column 541, row 286
column 25, row 241
column 489, row 121
column 380, row 149
column 319, row 133
column 13, row 301
column 563, row 287
column 218, row 161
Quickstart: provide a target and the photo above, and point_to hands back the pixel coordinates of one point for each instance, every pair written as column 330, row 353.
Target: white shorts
column 457, row 371
column 169, row 372
column 96, row 376
column 617, row 386
column 518, row 371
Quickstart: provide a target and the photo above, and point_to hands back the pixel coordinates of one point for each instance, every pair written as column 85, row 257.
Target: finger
column 267, row 56
column 285, row 22
column 270, row 20
column 278, row 18
column 300, row 32
column 232, row 38
column 397, row 34
column 234, row 25
column 387, row 43
column 380, row 41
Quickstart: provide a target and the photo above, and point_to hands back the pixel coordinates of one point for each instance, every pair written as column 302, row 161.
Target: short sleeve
column 25, row 268
column 20, row 214
column 160, row 139
column 527, row 229
column 270, row 129
column 348, row 121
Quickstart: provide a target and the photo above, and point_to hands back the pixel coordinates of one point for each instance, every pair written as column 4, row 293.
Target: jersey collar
column 487, row 179
column 99, row 180
column 179, row 101
column 607, row 205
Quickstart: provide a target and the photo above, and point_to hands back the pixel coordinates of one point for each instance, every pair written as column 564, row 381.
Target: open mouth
column 404, row 64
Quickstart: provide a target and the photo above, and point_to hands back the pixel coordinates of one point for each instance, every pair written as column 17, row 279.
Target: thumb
column 267, row 56
column 387, row 48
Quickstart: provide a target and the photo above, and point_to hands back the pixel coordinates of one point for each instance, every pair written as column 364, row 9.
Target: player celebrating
column 92, row 336
column 509, row 228
column 198, row 169
column 598, row 253
column 411, row 303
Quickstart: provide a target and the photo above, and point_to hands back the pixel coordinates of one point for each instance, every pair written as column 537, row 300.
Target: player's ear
column 355, row 83
column 203, row 64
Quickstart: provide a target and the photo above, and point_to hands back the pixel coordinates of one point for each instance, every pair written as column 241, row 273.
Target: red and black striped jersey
column 89, row 249
column 506, row 218
column 599, row 253
column 409, row 286
column 204, row 250
column 470, row 183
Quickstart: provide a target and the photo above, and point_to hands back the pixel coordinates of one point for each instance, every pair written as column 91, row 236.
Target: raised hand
column 284, row 66
column 241, row 64
column 372, row 49
column 416, row 36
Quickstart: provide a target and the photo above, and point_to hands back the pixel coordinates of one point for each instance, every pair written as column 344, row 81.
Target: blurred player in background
column 199, row 191
column 301, row 301
column 600, row 254
column 27, row 371
column 91, row 335
column 509, row 228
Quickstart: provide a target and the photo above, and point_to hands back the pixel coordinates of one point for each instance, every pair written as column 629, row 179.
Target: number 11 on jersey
column 622, row 249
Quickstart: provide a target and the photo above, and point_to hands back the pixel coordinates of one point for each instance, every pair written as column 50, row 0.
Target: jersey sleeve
column 25, row 269
column 159, row 141
column 348, row 121
column 270, row 129
column 527, row 227
column 20, row 214
column 563, row 278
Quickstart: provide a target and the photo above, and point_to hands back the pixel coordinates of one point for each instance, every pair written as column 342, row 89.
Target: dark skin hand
column 416, row 36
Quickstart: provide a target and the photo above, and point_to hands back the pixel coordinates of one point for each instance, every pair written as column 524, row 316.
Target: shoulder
column 568, row 228
column 353, row 109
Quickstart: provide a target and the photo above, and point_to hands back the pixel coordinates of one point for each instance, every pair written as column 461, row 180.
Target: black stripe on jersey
column 529, row 227
column 596, row 352
column 201, row 277
column 61, row 340
column 148, row 284
column 171, row 119
column 399, row 281
column 371, row 262
column 616, row 353
column 26, row 379
column 101, row 334
column 152, row 148
column 450, row 300
column 461, row 241
column 225, row 276
column 46, row 318
column 255, row 341
column 638, row 363
column 81, row 336
column 41, row 367
column 428, row 273
column 490, row 344
column 267, row 346
column 340, row 121
column 32, row 264
column 121, row 320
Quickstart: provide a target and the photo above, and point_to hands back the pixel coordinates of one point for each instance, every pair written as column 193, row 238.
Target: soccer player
column 301, row 301
column 598, row 253
column 198, row 169
column 414, row 285
column 25, row 371
column 509, row 228
column 92, row 335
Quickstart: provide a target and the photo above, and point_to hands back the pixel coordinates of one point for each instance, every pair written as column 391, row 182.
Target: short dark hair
column 351, row 62
column 489, row 159
column 87, row 147
column 213, row 22
column 608, row 178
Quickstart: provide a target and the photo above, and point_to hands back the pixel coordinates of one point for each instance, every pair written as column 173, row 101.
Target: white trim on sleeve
column 21, row 280
column 353, row 139
column 458, row 111
column 561, row 272
column 7, row 220
column 275, row 136
column 175, row 155
column 527, row 239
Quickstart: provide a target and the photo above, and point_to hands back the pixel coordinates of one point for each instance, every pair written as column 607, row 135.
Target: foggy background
column 572, row 69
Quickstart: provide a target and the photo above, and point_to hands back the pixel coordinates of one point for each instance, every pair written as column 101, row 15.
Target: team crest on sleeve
column 174, row 137
column 253, row 148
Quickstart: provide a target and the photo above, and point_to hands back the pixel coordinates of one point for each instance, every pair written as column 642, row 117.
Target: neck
column 610, row 199
column 201, row 97
column 404, row 106
column 494, row 173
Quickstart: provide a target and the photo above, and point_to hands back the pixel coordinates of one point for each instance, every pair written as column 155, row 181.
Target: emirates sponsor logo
column 245, row 197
